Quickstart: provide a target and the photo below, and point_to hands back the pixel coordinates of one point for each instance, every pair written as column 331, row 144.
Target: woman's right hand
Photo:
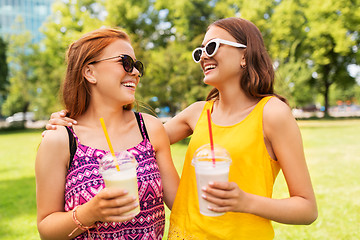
column 109, row 205
column 59, row 118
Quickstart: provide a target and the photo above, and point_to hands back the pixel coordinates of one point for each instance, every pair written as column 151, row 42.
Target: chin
column 208, row 81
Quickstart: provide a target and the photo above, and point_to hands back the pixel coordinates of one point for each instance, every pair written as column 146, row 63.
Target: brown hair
column 76, row 91
column 258, row 78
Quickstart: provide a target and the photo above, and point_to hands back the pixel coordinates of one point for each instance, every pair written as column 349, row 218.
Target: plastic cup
column 206, row 171
column 126, row 178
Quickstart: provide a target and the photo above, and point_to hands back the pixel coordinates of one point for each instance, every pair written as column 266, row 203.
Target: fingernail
column 203, row 188
column 203, row 196
column 69, row 124
column 211, row 183
column 53, row 127
column 75, row 122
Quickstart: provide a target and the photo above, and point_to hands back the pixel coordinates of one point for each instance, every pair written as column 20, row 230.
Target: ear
column 243, row 62
column 89, row 75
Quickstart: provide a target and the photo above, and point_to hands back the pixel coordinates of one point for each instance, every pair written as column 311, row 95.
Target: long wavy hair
column 257, row 81
column 76, row 89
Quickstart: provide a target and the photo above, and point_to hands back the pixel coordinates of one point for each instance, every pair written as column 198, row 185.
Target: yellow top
column 252, row 169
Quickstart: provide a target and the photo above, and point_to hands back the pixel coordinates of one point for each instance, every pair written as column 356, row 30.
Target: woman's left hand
column 227, row 196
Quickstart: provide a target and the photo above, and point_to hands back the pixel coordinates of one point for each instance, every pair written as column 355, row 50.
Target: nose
column 135, row 72
column 203, row 54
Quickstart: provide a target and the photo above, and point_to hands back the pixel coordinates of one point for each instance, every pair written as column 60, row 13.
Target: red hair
column 76, row 91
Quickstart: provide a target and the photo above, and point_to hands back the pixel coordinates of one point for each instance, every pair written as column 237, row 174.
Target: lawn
column 332, row 150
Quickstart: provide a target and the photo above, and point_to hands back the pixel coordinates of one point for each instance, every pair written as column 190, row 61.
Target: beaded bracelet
column 82, row 226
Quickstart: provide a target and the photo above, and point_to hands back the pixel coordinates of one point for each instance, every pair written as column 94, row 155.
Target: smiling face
column 108, row 78
column 225, row 65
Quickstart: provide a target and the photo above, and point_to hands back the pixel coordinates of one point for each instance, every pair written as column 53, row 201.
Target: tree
column 21, row 74
column 69, row 20
column 321, row 36
column 4, row 72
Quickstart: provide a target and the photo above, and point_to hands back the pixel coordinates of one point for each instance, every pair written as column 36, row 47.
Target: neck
column 113, row 115
column 233, row 100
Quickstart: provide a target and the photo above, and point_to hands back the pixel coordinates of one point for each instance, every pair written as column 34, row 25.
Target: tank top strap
column 73, row 133
column 141, row 125
column 263, row 101
column 73, row 143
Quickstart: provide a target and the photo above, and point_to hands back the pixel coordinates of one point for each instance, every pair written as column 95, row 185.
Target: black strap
column 142, row 127
column 72, row 145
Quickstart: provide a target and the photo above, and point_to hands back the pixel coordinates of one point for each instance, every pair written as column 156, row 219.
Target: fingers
column 223, row 196
column 63, row 121
column 48, row 126
column 59, row 118
column 114, row 205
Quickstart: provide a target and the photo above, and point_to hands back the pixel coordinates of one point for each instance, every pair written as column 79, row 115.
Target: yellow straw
column 109, row 143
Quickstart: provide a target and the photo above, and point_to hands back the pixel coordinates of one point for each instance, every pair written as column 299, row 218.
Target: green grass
column 332, row 150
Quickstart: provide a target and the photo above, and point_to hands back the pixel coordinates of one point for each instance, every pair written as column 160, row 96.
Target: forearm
column 60, row 225
column 293, row 210
column 170, row 191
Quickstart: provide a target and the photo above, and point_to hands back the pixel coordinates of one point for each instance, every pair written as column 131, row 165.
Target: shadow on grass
column 8, row 131
column 327, row 118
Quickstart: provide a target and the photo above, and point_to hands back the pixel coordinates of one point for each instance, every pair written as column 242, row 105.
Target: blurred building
column 32, row 13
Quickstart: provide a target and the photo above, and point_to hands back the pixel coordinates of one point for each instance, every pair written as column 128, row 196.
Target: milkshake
column 206, row 171
column 125, row 178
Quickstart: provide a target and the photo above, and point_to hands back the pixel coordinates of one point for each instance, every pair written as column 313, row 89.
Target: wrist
column 84, row 216
column 248, row 203
column 80, row 225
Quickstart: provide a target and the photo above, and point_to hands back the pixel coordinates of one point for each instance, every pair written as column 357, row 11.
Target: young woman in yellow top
column 257, row 128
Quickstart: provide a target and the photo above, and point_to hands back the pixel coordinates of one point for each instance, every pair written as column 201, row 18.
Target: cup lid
column 124, row 159
column 204, row 153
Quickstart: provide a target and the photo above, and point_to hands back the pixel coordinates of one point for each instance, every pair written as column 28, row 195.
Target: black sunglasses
column 127, row 62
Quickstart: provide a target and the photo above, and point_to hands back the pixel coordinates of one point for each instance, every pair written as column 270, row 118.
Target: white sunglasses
column 211, row 48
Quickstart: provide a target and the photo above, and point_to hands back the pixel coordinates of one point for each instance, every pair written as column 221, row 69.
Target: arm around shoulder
column 183, row 124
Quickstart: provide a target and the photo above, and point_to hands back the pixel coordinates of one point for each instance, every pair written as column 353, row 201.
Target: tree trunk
column 326, row 90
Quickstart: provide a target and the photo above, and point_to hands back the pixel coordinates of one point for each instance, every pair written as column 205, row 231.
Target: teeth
column 209, row 67
column 129, row 84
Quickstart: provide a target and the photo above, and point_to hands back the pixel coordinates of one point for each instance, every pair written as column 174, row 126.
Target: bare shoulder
column 276, row 112
column 156, row 131
column 196, row 107
column 191, row 114
column 53, row 151
column 57, row 137
column 151, row 121
column 153, row 125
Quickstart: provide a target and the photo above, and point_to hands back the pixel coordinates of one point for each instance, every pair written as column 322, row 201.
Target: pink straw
column 211, row 137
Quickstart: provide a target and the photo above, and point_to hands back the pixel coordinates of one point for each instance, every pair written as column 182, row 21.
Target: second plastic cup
column 126, row 178
column 206, row 171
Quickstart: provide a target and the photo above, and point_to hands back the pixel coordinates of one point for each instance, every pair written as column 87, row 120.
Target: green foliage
column 21, row 73
column 173, row 78
column 312, row 43
column 3, row 67
column 320, row 36
column 4, row 72
column 67, row 23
